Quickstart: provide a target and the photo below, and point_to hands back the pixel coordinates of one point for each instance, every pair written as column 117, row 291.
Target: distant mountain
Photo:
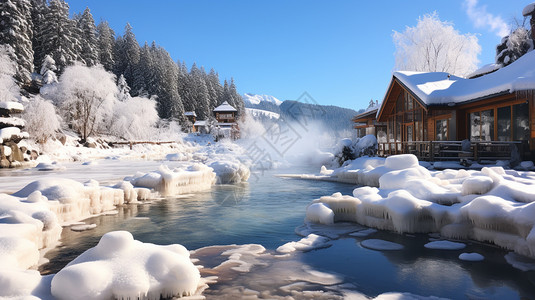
column 332, row 117
column 257, row 99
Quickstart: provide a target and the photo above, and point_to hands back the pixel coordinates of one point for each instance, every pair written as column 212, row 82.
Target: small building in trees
column 440, row 116
column 226, row 126
column 191, row 116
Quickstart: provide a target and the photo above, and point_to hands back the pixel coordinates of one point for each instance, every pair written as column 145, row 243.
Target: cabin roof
column 200, row 123
column 435, row 88
column 190, row 113
column 225, row 107
column 365, row 114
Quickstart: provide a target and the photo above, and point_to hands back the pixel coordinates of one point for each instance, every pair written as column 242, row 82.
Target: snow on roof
column 190, row 113
column 10, row 105
column 528, row 10
column 200, row 123
column 436, row 88
column 488, row 68
column 225, row 107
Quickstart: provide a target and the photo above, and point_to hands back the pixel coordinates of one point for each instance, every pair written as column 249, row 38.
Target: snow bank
column 120, row 267
column 492, row 205
column 12, row 133
column 194, row 178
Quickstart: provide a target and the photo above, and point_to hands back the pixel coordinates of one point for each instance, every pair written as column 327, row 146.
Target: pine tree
column 237, row 100
column 38, row 11
column 17, row 31
column 48, row 69
column 123, row 93
column 106, row 44
column 513, row 46
column 128, row 52
column 199, row 92
column 60, row 38
column 215, row 89
column 89, row 48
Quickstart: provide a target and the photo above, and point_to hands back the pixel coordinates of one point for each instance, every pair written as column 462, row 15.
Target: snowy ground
column 491, row 205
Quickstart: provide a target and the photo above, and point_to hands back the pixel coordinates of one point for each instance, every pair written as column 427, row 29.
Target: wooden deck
column 454, row 150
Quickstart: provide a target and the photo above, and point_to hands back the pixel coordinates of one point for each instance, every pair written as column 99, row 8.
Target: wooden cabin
column 430, row 114
column 226, row 126
column 192, row 118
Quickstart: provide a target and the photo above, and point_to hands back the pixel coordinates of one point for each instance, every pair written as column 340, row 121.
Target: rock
column 90, row 145
column 16, row 154
column 23, row 149
column 63, row 139
column 34, row 155
column 4, row 163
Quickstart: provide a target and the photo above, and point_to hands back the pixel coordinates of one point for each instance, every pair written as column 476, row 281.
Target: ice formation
column 311, row 242
column 194, row 178
column 492, row 205
column 445, row 245
column 120, row 267
column 471, row 257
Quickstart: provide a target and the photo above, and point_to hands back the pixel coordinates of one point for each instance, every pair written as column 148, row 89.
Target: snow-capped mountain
column 257, row 99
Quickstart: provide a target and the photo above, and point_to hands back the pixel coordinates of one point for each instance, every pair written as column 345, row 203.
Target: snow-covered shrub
column 86, row 96
column 134, row 118
column 48, row 68
column 42, row 122
column 347, row 150
column 513, row 46
column 9, row 90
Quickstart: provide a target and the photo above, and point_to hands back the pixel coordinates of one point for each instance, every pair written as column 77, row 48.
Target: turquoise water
column 267, row 210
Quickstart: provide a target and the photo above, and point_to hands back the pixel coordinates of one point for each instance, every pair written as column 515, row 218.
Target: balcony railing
column 455, row 150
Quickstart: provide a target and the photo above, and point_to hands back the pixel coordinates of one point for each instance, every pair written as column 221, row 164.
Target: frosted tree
column 86, row 96
column 16, row 31
column 134, row 119
column 41, row 119
column 514, row 46
column 435, row 46
column 9, row 90
column 59, row 35
column 123, row 92
column 48, row 70
column 88, row 31
column 215, row 89
column 199, row 92
column 237, row 100
column 106, row 44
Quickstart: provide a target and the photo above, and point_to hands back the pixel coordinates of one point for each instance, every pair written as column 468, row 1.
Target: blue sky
column 340, row 52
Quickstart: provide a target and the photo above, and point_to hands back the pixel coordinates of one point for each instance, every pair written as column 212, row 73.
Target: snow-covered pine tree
column 48, row 69
column 183, row 87
column 9, row 91
column 199, row 92
column 237, row 100
column 106, row 44
column 123, row 90
column 165, row 85
column 143, row 75
column 513, row 46
column 38, row 11
column 88, row 31
column 215, row 89
column 17, row 31
column 59, row 35
column 128, row 52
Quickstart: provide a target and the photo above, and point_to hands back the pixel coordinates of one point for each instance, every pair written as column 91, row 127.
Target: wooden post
column 476, row 150
column 431, row 151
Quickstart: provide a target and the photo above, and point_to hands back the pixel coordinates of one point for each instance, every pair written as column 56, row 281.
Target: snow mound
column 167, row 182
column 311, row 242
column 230, row 172
column 120, row 267
column 471, row 257
column 382, row 245
column 445, row 245
column 520, row 262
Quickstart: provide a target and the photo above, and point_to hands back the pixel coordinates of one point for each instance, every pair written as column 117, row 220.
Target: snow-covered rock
column 120, row 267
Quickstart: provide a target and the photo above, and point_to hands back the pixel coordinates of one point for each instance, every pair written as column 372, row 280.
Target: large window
column 511, row 122
column 520, row 122
column 482, row 125
column 442, row 130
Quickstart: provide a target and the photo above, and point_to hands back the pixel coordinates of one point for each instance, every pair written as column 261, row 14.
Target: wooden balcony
column 454, row 150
